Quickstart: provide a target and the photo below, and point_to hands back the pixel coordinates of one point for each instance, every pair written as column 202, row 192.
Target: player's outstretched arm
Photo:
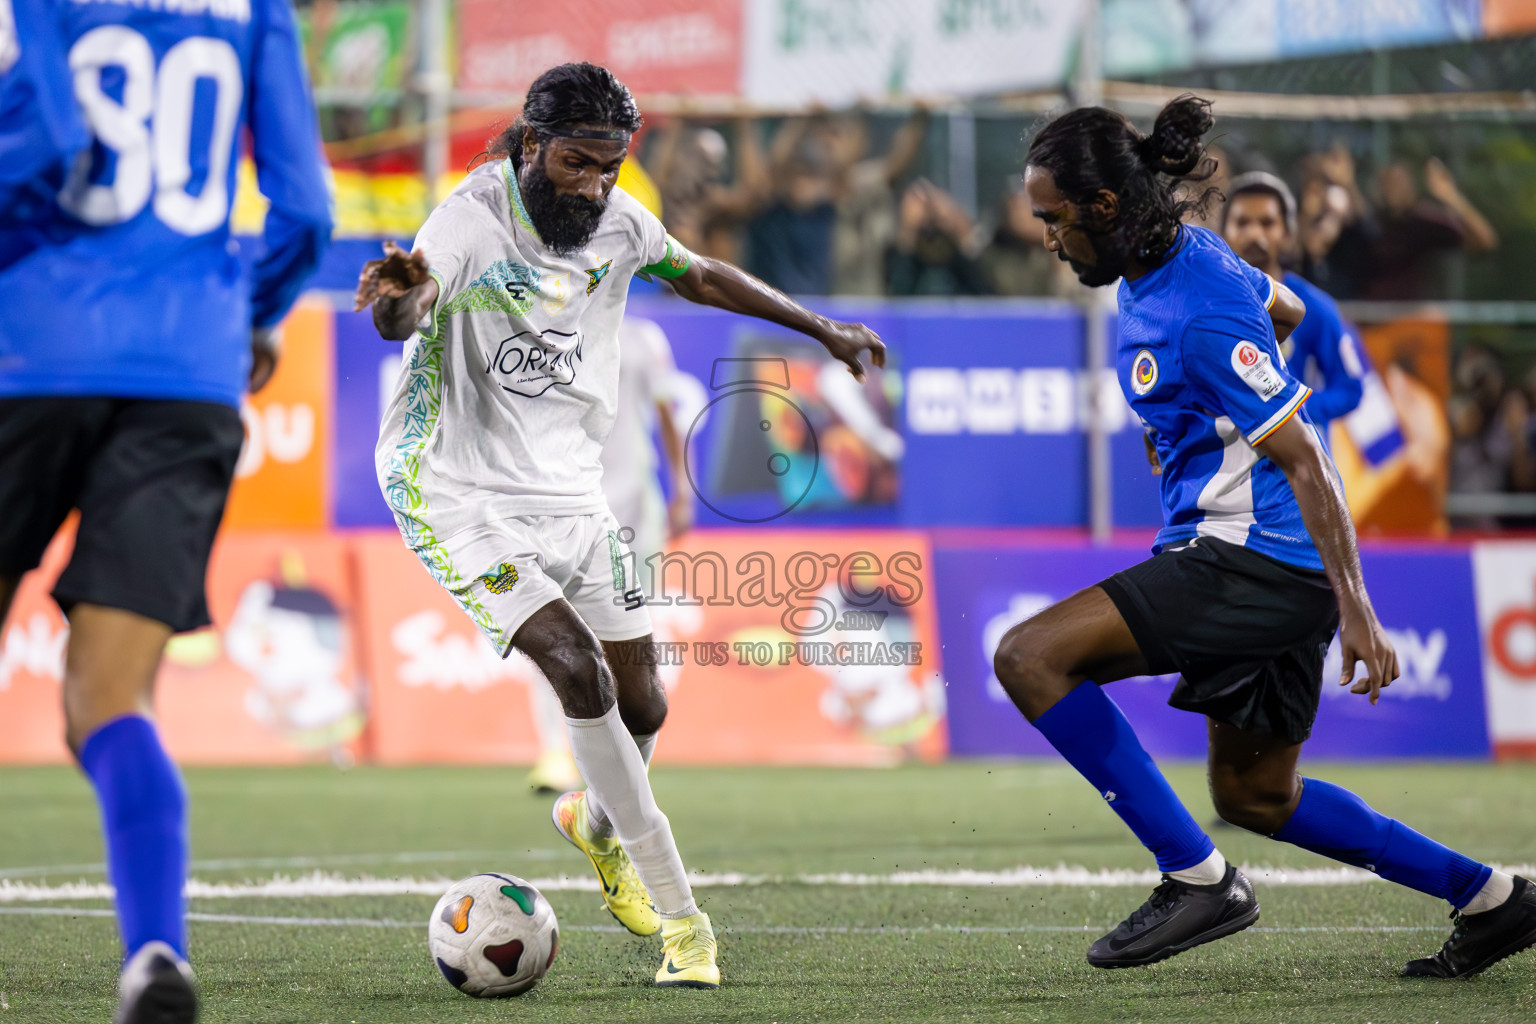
column 1296, row 449
column 401, row 289
column 717, row 283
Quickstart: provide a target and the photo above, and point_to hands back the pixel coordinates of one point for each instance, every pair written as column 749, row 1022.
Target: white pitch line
column 318, row 861
column 612, row 929
column 320, row 884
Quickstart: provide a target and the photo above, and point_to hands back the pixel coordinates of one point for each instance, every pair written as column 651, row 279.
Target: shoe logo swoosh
column 611, row 890
column 1116, row 945
column 672, row 968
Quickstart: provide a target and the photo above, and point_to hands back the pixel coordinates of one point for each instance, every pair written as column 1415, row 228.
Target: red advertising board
column 777, row 647
column 671, row 46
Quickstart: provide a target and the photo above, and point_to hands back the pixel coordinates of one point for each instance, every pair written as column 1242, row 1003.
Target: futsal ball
column 493, row 936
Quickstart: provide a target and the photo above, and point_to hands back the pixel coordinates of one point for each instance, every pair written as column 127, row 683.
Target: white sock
column 610, row 762
column 1208, row 872
column 597, row 815
column 1494, row 893
column 548, row 718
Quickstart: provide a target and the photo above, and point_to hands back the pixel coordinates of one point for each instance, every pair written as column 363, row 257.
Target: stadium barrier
column 777, row 646
column 329, row 640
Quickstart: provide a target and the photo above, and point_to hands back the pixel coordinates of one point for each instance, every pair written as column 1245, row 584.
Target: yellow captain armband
column 674, row 264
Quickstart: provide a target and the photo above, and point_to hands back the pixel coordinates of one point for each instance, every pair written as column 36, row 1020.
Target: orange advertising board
column 274, row 681
column 283, row 475
column 1509, row 17
column 32, row 664
column 439, row 694
column 777, row 647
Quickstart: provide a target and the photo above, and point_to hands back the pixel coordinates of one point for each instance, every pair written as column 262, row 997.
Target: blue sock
column 1091, row 733
column 144, row 822
column 1332, row 821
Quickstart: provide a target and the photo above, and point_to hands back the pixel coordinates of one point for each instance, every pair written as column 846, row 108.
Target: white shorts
column 506, row 570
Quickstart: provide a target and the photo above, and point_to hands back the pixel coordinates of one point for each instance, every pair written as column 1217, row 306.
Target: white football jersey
column 507, row 392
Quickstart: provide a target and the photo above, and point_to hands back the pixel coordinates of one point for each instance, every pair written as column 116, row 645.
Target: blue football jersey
column 1197, row 360
column 130, row 285
column 41, row 130
column 1325, row 353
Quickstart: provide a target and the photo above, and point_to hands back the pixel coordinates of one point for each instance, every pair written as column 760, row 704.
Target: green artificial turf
column 790, row 951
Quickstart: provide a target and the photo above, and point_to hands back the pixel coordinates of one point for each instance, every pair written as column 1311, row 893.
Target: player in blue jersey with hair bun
column 131, row 331
column 1253, row 571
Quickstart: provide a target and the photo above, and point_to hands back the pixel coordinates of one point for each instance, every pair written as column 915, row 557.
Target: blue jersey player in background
column 1253, row 571
column 131, row 331
column 1324, row 351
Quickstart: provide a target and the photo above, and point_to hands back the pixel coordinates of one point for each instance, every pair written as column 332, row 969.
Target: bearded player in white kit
column 488, row 453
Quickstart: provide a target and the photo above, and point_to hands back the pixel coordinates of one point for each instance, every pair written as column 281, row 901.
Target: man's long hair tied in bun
column 1091, row 148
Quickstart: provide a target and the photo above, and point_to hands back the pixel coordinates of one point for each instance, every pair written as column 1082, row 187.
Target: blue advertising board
column 1424, row 597
column 978, row 421
column 366, row 365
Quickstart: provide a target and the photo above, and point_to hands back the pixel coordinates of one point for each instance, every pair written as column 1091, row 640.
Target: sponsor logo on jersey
column 504, row 287
column 501, row 579
column 531, row 362
column 1143, row 372
column 1252, row 364
column 596, row 275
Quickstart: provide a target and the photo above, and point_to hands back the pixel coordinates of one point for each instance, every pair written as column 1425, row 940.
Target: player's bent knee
column 1261, row 809
column 1025, row 672
column 580, row 678
column 645, row 716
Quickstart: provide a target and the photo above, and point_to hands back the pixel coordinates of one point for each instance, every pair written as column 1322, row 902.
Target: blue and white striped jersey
column 127, row 282
column 1198, row 362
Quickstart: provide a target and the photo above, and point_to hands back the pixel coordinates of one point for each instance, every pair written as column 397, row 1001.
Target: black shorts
column 150, row 479
column 1246, row 633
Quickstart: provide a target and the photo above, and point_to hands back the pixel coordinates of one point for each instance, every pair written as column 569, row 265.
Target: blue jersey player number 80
column 132, row 330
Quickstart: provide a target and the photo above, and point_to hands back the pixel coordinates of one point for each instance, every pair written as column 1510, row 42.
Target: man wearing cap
column 1259, row 224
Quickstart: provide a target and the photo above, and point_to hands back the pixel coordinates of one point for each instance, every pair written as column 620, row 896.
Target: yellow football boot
column 688, row 953
column 554, row 772
column 623, row 893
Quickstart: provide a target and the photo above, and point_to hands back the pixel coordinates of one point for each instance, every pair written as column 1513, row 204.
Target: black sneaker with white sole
column 156, row 988
column 1478, row 941
column 1177, row 917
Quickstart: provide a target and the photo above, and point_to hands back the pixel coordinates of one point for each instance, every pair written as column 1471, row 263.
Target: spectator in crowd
column 830, row 214
column 1334, row 224
column 933, row 252
column 866, row 199
column 789, row 242
column 1015, row 261
column 1413, row 230
column 1490, row 451
column 702, row 206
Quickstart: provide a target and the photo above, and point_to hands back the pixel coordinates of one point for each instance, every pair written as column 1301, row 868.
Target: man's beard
column 1110, row 259
column 566, row 223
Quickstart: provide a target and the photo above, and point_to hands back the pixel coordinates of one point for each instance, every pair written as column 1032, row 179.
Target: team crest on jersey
column 1253, row 365
column 500, row 579
column 1143, row 372
column 555, row 290
column 596, row 274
